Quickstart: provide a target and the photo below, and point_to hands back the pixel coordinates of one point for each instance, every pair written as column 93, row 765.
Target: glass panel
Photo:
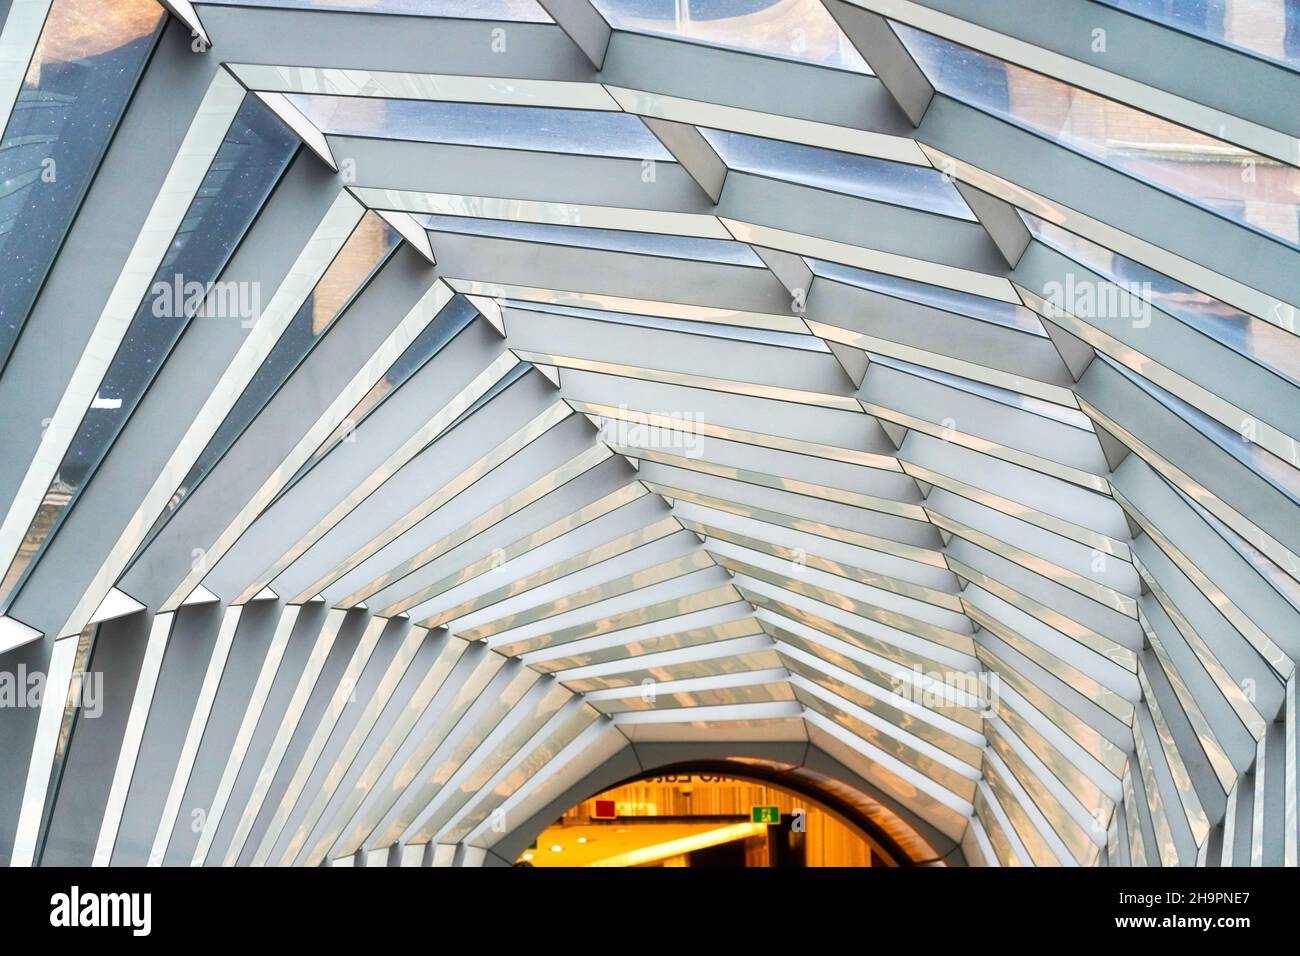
column 366, row 249
column 792, row 29
column 526, row 10
column 937, row 297
column 1257, row 192
column 1282, row 582
column 85, row 66
column 1066, row 416
column 455, row 316
column 499, row 386
column 255, row 152
column 1275, row 349
column 1267, row 28
column 614, row 240
column 916, row 187
column 1269, row 467
column 589, row 132
column 790, row 340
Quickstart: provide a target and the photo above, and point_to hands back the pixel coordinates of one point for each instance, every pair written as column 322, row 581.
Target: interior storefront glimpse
column 699, row 819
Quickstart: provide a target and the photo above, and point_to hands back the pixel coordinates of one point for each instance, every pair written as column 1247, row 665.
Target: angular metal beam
column 693, row 152
column 880, row 46
column 583, row 24
column 1000, row 220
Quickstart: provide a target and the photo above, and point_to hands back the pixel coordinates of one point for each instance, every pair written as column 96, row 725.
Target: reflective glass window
column 800, row 30
column 365, row 250
column 499, row 386
column 83, row 71
column 245, row 169
column 1268, row 466
column 916, row 187
column 1252, row 190
column 1271, row 347
column 806, row 343
column 541, row 129
column 1282, row 582
column 614, row 240
column 1066, row 416
column 937, row 297
column 526, row 10
column 454, row 317
column 1266, row 28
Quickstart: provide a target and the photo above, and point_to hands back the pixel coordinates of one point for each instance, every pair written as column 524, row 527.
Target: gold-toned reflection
column 699, row 820
column 77, row 30
column 365, row 248
column 1255, row 189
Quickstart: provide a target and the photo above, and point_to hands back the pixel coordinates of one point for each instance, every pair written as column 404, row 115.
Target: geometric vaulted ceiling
column 419, row 415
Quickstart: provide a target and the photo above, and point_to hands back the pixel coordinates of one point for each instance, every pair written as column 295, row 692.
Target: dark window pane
column 85, row 66
column 256, row 150
column 366, row 249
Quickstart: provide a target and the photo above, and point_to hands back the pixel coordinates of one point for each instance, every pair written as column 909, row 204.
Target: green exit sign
column 765, row 814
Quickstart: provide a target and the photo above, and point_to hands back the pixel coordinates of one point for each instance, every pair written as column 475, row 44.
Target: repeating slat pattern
column 896, row 394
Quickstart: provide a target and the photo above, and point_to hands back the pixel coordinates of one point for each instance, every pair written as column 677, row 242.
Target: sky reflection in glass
column 1262, row 342
column 900, row 184
column 613, row 240
column 77, row 85
column 936, row 296
column 364, row 252
column 1265, row 28
column 541, row 129
column 254, row 154
column 799, row 30
column 1244, row 187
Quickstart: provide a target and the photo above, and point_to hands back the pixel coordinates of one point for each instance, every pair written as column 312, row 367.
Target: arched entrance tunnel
column 707, row 804
column 716, row 814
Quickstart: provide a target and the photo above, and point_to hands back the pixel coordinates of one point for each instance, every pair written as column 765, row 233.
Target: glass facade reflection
column 1260, row 193
column 523, row 10
column 792, row 29
column 1266, row 344
column 916, row 187
column 788, row 340
column 1067, row 416
column 1266, row 28
column 453, row 318
column 361, row 256
column 938, row 297
column 77, row 84
column 588, row 132
column 247, row 166
column 1272, row 469
column 612, row 240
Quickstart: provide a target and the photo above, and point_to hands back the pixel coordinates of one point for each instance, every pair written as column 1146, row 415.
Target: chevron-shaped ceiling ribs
column 902, row 394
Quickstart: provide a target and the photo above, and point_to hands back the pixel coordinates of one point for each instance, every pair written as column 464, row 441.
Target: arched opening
column 717, row 813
